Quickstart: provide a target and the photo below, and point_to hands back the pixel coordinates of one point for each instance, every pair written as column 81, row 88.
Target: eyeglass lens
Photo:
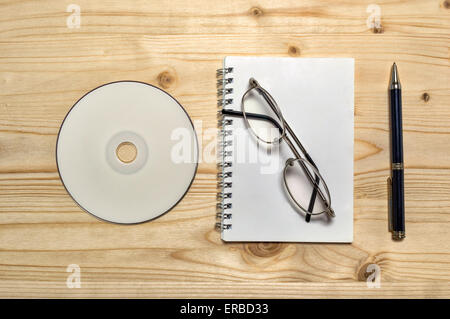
column 301, row 189
column 266, row 131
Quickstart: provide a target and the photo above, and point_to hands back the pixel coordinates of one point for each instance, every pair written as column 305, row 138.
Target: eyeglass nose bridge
column 290, row 162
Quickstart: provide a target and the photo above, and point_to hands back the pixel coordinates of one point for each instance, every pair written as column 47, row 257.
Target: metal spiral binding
column 224, row 185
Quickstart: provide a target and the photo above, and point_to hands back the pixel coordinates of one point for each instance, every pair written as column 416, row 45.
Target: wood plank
column 223, row 290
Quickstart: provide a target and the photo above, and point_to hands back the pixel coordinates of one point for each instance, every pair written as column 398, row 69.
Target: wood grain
column 45, row 67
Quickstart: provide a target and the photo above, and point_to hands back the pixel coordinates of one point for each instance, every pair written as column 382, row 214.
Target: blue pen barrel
column 398, row 203
column 398, row 196
column 396, row 126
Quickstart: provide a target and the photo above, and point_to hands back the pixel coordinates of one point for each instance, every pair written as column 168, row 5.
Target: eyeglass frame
column 284, row 129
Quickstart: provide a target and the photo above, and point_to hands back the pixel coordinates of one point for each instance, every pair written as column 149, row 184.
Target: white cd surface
column 162, row 139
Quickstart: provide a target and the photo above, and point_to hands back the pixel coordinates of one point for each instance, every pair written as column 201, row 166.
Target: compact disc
column 127, row 152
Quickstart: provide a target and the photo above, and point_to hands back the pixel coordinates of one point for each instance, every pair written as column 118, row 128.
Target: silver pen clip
column 389, row 185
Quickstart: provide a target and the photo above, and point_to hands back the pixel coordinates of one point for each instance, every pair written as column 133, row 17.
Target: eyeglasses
column 301, row 177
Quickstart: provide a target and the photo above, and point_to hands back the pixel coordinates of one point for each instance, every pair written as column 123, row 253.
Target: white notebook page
column 317, row 100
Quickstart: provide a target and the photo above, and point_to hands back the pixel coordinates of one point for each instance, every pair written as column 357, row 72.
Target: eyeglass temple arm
column 275, row 123
column 254, row 116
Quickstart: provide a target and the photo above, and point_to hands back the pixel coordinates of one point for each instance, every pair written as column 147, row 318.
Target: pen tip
column 395, row 81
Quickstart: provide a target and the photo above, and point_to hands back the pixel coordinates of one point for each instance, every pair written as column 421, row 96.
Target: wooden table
column 46, row 66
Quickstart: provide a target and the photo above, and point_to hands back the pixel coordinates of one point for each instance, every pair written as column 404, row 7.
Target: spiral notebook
column 317, row 100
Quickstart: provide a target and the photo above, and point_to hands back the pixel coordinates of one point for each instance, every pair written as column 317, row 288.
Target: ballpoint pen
column 397, row 201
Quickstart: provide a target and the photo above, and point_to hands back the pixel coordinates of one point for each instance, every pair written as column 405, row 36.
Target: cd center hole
column 126, row 152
